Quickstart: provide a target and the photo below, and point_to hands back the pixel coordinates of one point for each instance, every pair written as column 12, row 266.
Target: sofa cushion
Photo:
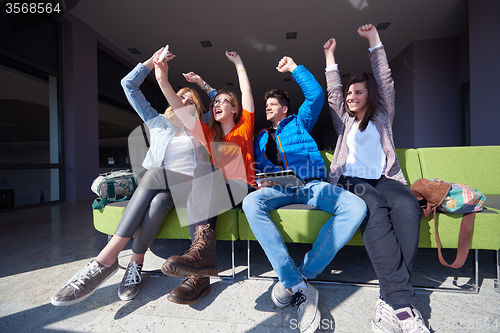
column 107, row 219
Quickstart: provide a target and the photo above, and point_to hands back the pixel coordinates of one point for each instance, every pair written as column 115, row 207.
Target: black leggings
column 205, row 196
column 148, row 208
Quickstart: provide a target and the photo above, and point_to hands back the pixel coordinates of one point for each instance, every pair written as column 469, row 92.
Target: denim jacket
column 161, row 130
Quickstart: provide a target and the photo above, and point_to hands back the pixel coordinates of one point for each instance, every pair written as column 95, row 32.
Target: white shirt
column 178, row 156
column 365, row 158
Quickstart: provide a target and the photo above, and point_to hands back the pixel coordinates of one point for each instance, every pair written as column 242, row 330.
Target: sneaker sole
column 127, row 298
column 191, row 301
column 59, row 303
column 185, row 271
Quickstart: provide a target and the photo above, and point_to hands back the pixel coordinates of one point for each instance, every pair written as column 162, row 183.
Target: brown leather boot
column 190, row 291
column 200, row 260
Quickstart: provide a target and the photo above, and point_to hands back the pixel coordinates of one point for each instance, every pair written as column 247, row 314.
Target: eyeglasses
column 221, row 102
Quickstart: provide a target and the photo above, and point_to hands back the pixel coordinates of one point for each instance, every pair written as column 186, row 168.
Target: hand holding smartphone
column 163, row 54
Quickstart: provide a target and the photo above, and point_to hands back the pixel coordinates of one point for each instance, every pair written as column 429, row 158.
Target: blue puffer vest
column 295, row 143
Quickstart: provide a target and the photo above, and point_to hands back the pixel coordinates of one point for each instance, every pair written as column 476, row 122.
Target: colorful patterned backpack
column 113, row 186
column 435, row 194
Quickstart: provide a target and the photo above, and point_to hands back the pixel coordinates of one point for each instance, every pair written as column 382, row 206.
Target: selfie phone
column 163, row 54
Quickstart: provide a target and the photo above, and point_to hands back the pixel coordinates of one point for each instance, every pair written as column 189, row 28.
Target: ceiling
column 257, row 31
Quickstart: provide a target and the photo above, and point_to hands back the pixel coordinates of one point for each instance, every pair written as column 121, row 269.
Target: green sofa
column 449, row 164
column 473, row 166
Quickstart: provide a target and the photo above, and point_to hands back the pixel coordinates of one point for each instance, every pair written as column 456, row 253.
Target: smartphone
column 163, row 54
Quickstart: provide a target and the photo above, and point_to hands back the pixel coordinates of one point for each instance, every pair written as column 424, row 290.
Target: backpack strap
column 464, row 238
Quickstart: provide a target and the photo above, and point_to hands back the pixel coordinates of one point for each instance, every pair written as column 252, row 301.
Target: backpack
column 113, row 186
column 435, row 194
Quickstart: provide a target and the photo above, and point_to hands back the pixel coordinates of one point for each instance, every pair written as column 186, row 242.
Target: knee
column 252, row 202
column 162, row 200
column 409, row 205
column 248, row 203
column 356, row 207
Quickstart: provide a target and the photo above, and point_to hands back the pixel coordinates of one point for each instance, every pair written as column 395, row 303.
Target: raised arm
column 314, row 95
column 333, row 85
column 131, row 86
column 380, row 69
column 195, row 78
column 184, row 113
column 245, row 88
column 329, row 48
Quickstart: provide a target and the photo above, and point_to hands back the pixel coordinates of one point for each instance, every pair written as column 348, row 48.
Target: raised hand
column 149, row 63
column 193, row 78
column 245, row 88
column 286, row 64
column 234, row 57
column 329, row 49
column 369, row 32
column 161, row 68
column 168, row 57
column 329, row 46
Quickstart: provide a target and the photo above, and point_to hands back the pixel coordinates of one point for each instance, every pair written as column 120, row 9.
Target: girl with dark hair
column 365, row 163
column 229, row 140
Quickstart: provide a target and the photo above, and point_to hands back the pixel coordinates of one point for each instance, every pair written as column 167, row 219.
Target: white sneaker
column 306, row 301
column 411, row 321
column 281, row 297
column 385, row 320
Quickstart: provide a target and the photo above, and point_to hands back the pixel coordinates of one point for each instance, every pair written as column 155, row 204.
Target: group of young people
column 364, row 187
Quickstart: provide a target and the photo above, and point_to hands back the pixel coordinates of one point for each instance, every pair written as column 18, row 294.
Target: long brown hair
column 200, row 109
column 215, row 126
column 371, row 85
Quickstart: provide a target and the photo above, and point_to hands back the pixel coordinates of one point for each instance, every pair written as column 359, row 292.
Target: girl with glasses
column 217, row 186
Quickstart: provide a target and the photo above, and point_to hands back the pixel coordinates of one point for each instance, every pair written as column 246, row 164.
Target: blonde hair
column 200, row 109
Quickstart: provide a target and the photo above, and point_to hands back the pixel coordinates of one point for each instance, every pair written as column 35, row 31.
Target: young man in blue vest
column 288, row 145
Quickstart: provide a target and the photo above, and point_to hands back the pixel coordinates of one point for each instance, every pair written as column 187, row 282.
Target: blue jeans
column 390, row 233
column 348, row 212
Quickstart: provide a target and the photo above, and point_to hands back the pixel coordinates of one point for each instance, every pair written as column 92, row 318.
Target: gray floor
column 43, row 247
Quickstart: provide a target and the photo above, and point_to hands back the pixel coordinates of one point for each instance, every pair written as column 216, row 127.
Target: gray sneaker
column 306, row 301
column 385, row 320
column 281, row 297
column 84, row 283
column 129, row 287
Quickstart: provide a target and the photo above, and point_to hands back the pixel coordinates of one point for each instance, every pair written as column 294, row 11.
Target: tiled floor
column 43, row 247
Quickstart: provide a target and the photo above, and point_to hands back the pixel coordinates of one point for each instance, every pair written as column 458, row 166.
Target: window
column 29, row 138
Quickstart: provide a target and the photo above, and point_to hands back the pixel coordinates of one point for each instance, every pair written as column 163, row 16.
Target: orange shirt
column 234, row 157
